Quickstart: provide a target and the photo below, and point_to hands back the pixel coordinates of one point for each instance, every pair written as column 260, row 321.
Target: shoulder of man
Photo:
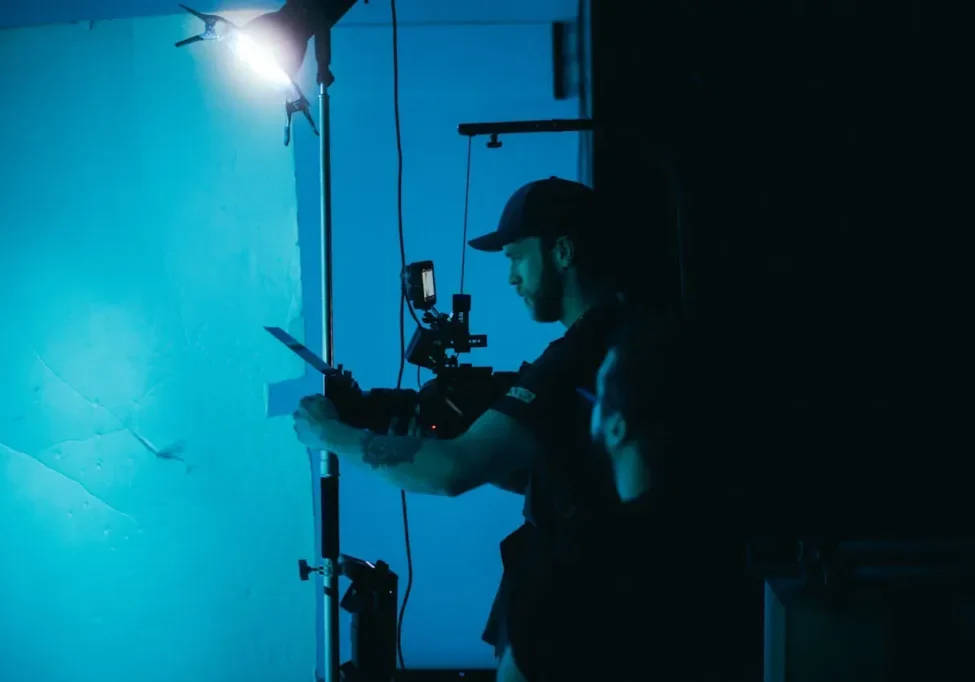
column 589, row 338
column 575, row 355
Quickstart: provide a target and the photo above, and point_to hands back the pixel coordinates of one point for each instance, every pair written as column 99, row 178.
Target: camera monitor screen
column 429, row 286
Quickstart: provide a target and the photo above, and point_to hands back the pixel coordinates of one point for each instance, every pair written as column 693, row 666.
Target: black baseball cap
column 550, row 207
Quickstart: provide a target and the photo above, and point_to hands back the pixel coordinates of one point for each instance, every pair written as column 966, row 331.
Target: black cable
column 467, row 200
column 402, row 318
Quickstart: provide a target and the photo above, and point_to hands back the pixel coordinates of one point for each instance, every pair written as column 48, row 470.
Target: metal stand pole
column 330, row 464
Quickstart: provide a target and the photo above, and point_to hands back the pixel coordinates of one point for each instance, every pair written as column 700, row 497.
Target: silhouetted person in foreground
column 658, row 591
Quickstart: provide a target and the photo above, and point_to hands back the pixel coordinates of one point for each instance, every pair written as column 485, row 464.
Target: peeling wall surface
column 151, row 514
column 151, row 223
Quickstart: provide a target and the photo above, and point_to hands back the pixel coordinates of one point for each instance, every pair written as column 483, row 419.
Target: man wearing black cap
column 658, row 588
column 549, row 233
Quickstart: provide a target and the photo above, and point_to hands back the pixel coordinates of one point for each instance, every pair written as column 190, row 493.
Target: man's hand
column 494, row 448
column 313, row 419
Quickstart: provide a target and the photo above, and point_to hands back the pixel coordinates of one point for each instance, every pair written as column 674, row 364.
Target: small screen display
column 429, row 288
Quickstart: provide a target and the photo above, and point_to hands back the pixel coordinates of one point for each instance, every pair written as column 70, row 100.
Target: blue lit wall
column 152, row 224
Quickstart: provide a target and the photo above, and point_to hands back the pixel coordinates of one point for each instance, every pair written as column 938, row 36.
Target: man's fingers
column 318, row 407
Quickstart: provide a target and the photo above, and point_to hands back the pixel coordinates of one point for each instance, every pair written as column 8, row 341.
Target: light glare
column 259, row 59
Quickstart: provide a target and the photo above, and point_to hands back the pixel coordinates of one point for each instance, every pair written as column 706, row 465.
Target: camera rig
column 443, row 407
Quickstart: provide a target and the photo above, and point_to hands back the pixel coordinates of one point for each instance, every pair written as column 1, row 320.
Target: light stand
column 275, row 44
column 329, row 483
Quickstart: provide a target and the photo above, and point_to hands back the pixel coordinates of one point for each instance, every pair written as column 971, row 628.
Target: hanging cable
column 402, row 318
column 467, row 201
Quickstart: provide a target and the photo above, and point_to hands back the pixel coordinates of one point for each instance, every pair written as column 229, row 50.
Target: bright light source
column 273, row 46
column 259, row 58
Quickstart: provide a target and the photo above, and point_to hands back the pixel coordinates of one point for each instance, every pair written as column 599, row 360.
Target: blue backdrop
column 152, row 512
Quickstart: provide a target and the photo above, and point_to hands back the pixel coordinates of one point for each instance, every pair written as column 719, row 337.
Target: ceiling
column 33, row 12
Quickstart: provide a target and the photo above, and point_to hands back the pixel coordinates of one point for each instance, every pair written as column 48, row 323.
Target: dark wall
column 807, row 140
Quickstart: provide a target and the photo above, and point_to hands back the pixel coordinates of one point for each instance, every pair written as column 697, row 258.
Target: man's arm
column 493, row 448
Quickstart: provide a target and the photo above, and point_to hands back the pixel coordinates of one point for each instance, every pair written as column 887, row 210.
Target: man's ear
column 616, row 430
column 563, row 252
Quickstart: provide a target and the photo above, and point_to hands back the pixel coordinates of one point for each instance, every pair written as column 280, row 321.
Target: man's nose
column 513, row 278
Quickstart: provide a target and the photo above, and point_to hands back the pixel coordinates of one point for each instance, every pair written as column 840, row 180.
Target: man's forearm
column 412, row 463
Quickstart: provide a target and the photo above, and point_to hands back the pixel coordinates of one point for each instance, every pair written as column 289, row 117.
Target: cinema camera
column 448, row 404
column 445, row 406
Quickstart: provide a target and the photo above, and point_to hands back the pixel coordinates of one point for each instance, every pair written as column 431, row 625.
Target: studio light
column 274, row 45
column 260, row 59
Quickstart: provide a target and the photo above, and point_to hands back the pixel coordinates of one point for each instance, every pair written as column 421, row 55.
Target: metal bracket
column 292, row 106
column 211, row 24
column 495, row 130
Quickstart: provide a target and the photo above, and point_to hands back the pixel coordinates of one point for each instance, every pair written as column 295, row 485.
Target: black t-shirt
column 646, row 593
column 568, row 484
